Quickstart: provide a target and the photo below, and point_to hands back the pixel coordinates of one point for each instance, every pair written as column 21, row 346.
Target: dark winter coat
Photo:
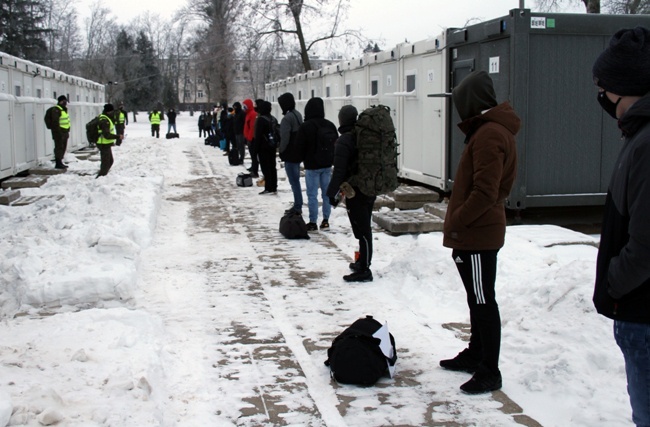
column 263, row 126
column 308, row 133
column 476, row 218
column 345, row 160
column 622, row 288
column 171, row 117
column 239, row 119
column 290, row 150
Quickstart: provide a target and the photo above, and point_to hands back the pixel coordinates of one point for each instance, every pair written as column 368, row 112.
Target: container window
column 374, row 87
column 410, row 83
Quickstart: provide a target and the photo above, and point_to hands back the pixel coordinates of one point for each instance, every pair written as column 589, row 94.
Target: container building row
column 27, row 90
column 540, row 62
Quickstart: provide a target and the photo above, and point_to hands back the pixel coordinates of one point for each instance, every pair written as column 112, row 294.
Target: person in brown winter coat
column 475, row 223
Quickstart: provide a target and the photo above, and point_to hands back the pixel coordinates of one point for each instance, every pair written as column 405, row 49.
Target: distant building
column 249, row 78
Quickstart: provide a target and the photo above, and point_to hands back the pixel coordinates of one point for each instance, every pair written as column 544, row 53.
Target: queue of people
column 475, row 223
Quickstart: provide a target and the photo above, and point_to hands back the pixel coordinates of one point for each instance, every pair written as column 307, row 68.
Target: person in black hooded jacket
column 318, row 167
column 622, row 290
column 238, row 128
column 265, row 151
column 290, row 150
column 359, row 206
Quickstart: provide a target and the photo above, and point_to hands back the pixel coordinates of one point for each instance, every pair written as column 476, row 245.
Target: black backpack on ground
column 244, row 180
column 233, row 157
column 171, row 135
column 212, row 140
column 326, row 136
column 355, row 356
column 292, row 226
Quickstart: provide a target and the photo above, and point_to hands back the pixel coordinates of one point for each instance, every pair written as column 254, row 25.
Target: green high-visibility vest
column 64, row 120
column 101, row 139
column 155, row 118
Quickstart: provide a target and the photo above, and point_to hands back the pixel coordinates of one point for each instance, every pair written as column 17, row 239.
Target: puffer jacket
column 249, row 122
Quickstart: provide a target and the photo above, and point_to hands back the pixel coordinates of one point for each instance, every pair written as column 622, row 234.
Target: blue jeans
column 170, row 126
column 315, row 179
column 634, row 341
column 293, row 174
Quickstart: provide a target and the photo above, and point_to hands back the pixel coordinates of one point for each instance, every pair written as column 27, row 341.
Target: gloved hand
column 334, row 201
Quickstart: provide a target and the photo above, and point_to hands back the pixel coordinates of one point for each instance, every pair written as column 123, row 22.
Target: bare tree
column 628, row 7
column 64, row 41
column 217, row 21
column 100, row 44
column 323, row 18
column 591, row 6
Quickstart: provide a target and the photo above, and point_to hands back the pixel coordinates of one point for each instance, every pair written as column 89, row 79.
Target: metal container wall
column 542, row 64
column 27, row 90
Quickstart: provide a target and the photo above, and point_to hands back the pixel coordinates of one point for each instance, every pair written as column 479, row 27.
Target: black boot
column 359, row 276
column 60, row 165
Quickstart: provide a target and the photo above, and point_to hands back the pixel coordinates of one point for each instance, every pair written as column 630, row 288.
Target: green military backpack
column 377, row 148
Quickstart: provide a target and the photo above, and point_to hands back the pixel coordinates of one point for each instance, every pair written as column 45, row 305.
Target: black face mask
column 608, row 106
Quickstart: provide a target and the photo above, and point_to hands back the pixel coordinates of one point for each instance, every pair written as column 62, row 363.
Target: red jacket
column 249, row 122
column 476, row 218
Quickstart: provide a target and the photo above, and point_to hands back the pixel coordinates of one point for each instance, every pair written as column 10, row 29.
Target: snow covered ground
column 163, row 295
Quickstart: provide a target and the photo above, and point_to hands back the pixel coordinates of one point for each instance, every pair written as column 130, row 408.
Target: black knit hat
column 108, row 108
column 624, row 67
column 348, row 115
column 62, row 98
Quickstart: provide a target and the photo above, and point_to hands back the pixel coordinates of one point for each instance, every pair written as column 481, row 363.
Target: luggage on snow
column 356, row 357
column 171, row 135
column 292, row 226
column 244, row 180
column 233, row 157
column 212, row 140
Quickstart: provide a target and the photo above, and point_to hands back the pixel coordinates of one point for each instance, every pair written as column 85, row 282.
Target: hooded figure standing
column 475, row 223
column 359, row 206
column 249, row 136
column 60, row 131
column 107, row 137
column 622, row 290
column 265, row 150
column 290, row 150
column 238, row 128
column 318, row 170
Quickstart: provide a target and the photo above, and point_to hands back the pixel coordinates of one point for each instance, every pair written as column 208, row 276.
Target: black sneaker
column 464, row 362
column 482, row 383
column 254, row 175
column 324, row 225
column 268, row 192
column 359, row 276
column 312, row 226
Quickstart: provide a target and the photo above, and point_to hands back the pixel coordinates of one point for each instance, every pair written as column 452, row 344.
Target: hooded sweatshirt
column 308, row 133
column 290, row 151
column 622, row 290
column 476, row 218
column 249, row 122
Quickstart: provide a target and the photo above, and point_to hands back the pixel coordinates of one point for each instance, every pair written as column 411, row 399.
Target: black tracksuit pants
column 478, row 270
column 269, row 168
column 360, row 214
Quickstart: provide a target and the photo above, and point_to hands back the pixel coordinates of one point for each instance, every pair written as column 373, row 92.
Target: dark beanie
column 624, row 66
column 62, row 98
column 108, row 108
column 348, row 115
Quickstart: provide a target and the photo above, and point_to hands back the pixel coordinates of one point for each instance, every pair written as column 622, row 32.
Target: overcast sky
column 390, row 21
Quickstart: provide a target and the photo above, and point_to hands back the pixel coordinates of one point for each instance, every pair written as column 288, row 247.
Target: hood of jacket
column 237, row 107
column 635, row 117
column 502, row 114
column 249, row 106
column 315, row 109
column 287, row 102
column 474, row 94
column 264, row 107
